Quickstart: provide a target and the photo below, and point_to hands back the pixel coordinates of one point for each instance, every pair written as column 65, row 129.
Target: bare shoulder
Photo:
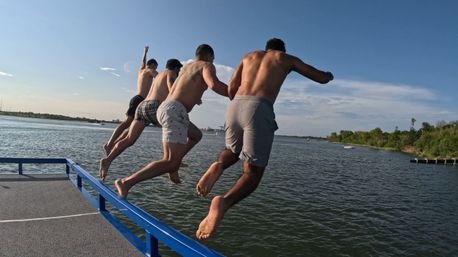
column 253, row 54
column 291, row 60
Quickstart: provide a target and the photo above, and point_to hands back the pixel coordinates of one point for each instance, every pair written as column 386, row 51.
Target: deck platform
column 45, row 215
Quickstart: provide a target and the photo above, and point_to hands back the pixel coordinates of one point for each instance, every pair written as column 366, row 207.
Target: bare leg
column 135, row 130
column 117, row 132
column 194, row 136
column 244, row 186
column 225, row 159
column 175, row 153
column 121, row 137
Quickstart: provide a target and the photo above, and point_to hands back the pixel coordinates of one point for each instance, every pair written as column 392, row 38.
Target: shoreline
column 48, row 116
column 411, row 150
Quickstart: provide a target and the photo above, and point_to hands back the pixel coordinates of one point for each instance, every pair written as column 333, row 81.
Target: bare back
column 144, row 81
column 161, row 85
column 262, row 73
column 190, row 85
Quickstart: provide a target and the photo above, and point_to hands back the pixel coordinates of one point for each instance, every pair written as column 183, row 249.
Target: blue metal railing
column 154, row 229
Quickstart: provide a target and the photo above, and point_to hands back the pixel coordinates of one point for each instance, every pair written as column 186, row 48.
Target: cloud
column 126, row 67
column 81, row 77
column 304, row 107
column 224, row 72
column 127, row 90
column 354, row 105
column 5, row 74
column 110, row 70
column 107, row 69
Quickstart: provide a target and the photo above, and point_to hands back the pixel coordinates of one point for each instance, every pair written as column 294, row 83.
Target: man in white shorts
column 179, row 135
column 145, row 115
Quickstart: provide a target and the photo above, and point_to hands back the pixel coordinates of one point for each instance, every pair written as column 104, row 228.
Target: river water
column 316, row 198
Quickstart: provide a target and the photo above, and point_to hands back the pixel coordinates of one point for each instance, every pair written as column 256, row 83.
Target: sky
column 392, row 60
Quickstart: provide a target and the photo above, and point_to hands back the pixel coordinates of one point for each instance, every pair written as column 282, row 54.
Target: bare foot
column 174, row 177
column 121, row 187
column 209, row 179
column 107, row 149
column 103, row 168
column 208, row 225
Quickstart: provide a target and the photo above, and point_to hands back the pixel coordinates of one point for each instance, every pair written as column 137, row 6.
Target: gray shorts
column 146, row 112
column 174, row 119
column 250, row 126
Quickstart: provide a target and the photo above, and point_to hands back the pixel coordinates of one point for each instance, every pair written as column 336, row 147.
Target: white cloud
column 126, row 67
column 130, row 91
column 224, row 72
column 304, row 107
column 385, row 90
column 5, row 74
column 110, row 70
column 107, row 69
column 81, row 77
column 115, row 74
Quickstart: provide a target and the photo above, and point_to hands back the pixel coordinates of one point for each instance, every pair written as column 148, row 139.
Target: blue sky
column 392, row 60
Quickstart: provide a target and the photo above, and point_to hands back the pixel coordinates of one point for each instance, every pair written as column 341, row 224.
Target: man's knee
column 227, row 158
column 253, row 171
column 172, row 165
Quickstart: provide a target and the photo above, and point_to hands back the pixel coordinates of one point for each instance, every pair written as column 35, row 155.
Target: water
column 316, row 198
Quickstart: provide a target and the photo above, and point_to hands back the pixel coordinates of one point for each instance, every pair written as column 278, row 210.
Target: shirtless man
column 250, row 125
column 179, row 135
column 145, row 114
column 145, row 77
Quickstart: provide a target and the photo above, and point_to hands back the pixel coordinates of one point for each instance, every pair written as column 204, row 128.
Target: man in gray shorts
column 145, row 114
column 250, row 125
column 179, row 134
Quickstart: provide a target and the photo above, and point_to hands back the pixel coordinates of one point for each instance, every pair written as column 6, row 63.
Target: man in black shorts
column 145, row 78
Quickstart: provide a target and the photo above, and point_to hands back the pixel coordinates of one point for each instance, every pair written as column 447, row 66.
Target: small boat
column 348, row 147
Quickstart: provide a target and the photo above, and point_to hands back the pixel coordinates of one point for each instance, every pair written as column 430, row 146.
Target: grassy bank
column 429, row 141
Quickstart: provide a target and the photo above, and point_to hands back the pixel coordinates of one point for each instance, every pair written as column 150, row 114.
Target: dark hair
column 173, row 63
column 204, row 50
column 150, row 62
column 276, row 44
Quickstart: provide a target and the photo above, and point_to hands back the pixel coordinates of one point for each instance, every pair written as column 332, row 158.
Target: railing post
column 152, row 245
column 101, row 203
column 67, row 169
column 79, row 182
column 20, row 168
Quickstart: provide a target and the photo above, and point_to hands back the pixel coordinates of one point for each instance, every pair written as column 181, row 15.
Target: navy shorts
column 134, row 102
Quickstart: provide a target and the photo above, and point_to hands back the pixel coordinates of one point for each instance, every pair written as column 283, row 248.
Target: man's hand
column 330, row 76
column 146, row 49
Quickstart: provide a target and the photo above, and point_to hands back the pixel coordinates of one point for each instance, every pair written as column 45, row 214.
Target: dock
column 55, row 215
column 451, row 161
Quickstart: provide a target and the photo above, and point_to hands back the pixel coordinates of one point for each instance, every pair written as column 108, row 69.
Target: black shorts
column 134, row 102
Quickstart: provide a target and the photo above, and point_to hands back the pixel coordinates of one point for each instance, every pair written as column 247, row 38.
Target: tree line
column 440, row 141
column 50, row 116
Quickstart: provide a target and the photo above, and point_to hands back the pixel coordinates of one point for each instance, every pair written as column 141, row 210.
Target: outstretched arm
column 145, row 51
column 311, row 72
column 235, row 81
column 209, row 76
